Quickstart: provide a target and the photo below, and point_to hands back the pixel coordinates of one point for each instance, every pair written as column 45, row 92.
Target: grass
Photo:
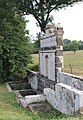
column 35, row 63
column 75, row 60
column 11, row 110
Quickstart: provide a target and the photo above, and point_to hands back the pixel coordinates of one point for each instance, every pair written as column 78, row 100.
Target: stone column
column 59, row 51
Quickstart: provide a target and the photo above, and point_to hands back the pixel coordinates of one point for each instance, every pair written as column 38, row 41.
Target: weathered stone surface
column 66, row 99
column 34, row 98
column 45, row 83
column 51, row 45
column 23, row 102
column 34, row 82
column 59, row 40
column 47, row 66
column 8, row 87
column 50, row 95
column 59, row 52
column 59, row 65
column 69, row 98
column 69, row 79
column 33, row 79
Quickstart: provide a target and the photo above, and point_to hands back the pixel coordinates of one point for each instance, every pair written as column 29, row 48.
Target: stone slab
column 34, row 98
column 68, row 99
column 65, row 98
column 70, row 79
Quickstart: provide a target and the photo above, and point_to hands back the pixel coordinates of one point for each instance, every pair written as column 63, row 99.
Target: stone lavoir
column 62, row 90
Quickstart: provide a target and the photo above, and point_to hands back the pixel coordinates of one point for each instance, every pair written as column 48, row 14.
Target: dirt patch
column 40, row 107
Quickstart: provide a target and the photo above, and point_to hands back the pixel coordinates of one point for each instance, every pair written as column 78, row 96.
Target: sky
column 71, row 19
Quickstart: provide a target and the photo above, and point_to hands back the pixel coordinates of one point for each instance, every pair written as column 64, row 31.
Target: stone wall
column 39, row 82
column 51, row 64
column 66, row 95
column 44, row 82
column 33, row 79
column 66, row 99
column 70, row 79
column 62, row 90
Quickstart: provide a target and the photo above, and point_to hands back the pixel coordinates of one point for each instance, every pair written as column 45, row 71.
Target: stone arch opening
column 46, row 65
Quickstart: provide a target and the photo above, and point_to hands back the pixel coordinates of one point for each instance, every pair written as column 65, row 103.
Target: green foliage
column 66, row 43
column 68, row 47
column 41, row 9
column 74, row 46
column 80, row 45
column 14, row 45
column 35, row 46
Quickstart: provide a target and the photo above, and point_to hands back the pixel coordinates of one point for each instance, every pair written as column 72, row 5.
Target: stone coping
column 8, row 87
column 32, row 72
column 72, row 75
column 70, row 88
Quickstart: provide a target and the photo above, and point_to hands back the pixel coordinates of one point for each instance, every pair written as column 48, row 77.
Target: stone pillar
column 59, row 50
column 50, row 55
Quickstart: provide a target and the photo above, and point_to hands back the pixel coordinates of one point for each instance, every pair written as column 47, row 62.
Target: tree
column 74, row 46
column 80, row 45
column 66, row 43
column 14, row 45
column 41, row 9
column 36, row 46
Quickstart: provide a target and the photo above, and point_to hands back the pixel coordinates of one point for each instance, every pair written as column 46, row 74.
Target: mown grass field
column 11, row 110
column 75, row 60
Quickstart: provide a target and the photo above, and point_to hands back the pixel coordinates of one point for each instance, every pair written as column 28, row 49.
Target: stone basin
column 28, row 92
column 18, row 85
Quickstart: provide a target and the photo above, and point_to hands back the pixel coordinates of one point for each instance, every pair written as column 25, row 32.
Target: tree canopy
column 14, row 45
column 74, row 46
column 41, row 9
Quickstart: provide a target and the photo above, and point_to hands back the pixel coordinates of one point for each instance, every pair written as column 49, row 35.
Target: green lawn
column 75, row 60
column 11, row 110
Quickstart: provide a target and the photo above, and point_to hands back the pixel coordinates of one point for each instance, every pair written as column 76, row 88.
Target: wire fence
column 74, row 69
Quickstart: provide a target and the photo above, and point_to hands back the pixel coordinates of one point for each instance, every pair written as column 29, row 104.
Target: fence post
column 71, row 70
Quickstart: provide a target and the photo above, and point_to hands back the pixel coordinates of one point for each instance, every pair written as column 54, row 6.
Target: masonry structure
column 63, row 91
column 50, row 56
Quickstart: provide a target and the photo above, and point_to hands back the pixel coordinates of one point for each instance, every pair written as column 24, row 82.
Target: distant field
column 35, row 58
column 75, row 60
